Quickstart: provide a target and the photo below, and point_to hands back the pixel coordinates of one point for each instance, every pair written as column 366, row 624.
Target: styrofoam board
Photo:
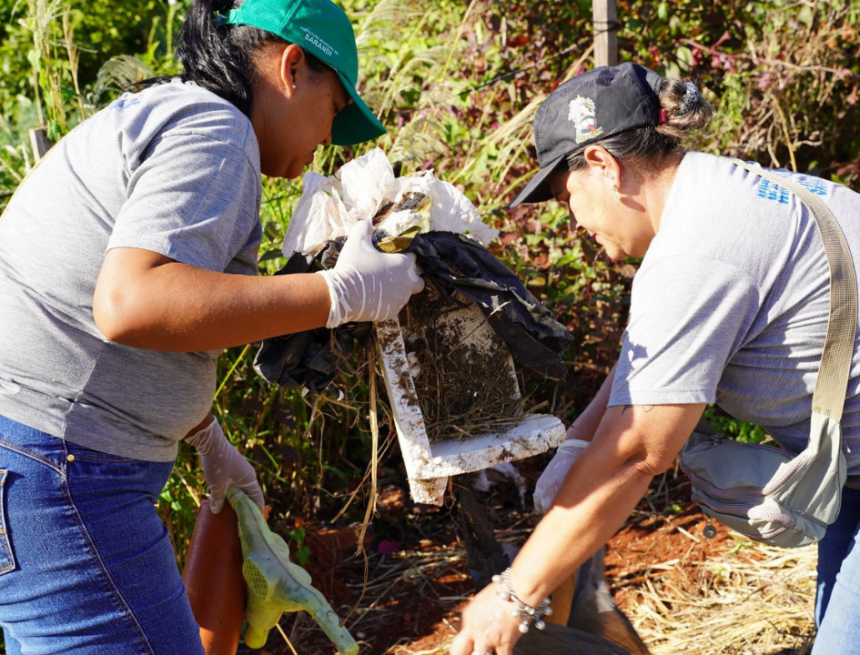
column 429, row 465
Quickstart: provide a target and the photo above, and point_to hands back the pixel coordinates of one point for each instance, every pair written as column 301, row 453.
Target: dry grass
column 741, row 599
column 379, row 611
column 754, row 602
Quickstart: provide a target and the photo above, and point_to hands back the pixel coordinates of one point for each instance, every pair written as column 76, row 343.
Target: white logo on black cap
column 582, row 114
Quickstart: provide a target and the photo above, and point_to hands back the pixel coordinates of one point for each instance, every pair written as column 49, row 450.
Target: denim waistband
column 38, row 445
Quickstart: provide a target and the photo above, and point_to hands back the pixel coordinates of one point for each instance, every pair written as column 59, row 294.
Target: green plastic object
column 275, row 584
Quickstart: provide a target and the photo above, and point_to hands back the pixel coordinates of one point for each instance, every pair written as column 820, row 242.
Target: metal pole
column 605, row 17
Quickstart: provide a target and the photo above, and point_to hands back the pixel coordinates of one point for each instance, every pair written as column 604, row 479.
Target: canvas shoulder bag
column 767, row 493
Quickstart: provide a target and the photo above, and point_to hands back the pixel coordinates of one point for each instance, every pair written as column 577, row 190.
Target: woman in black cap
column 730, row 306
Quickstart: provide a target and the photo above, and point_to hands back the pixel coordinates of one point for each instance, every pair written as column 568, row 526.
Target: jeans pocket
column 7, row 560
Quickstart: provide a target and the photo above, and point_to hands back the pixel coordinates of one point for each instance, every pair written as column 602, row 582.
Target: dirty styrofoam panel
column 429, row 465
column 429, row 492
column 464, row 326
column 534, row 435
column 408, row 419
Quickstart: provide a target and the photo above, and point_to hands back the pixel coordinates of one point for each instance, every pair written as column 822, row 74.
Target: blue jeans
column 837, row 604
column 86, row 564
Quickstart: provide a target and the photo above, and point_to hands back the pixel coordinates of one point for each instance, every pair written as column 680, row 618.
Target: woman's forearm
column 590, row 507
column 165, row 305
column 632, row 445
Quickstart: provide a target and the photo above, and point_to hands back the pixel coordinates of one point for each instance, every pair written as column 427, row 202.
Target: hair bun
column 690, row 100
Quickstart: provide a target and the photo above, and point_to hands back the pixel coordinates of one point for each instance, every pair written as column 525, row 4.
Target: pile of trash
column 367, row 189
column 416, row 213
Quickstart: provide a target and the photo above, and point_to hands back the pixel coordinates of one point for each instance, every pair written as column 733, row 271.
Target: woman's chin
column 289, row 171
column 615, row 253
column 293, row 171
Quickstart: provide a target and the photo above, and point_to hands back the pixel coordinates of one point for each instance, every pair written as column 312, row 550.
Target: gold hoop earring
column 616, row 193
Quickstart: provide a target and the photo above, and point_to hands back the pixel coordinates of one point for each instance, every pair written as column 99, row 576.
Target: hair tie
column 690, row 99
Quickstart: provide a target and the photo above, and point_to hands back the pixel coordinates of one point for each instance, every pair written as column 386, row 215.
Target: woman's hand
column 224, row 466
column 488, row 626
column 632, row 444
column 367, row 284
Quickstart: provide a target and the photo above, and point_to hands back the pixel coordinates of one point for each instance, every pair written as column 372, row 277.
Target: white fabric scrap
column 330, row 206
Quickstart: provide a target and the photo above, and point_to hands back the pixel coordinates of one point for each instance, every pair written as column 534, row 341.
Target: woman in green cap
column 149, row 216
column 731, row 305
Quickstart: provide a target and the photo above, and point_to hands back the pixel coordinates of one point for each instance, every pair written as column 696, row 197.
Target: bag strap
column 832, row 383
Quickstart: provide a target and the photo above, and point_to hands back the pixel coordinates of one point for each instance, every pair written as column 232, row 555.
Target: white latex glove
column 367, row 284
column 224, row 467
column 554, row 474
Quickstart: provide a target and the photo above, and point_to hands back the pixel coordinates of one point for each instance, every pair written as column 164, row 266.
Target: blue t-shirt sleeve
column 196, row 200
column 688, row 317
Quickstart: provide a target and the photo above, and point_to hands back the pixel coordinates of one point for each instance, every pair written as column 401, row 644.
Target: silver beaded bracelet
column 530, row 614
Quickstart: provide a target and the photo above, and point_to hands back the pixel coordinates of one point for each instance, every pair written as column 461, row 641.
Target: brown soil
column 668, row 548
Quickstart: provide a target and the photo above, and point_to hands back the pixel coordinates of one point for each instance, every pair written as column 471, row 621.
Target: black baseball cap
column 586, row 109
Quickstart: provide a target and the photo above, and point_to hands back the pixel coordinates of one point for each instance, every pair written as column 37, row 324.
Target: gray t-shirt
column 173, row 169
column 731, row 302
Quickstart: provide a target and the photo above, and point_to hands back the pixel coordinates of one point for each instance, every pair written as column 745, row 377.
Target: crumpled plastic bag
column 453, row 262
column 330, row 206
column 319, row 214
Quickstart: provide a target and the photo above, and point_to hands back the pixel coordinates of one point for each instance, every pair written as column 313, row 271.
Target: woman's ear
column 291, row 60
column 601, row 162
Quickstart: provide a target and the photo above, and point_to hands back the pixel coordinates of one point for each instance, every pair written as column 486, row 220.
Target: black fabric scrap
column 310, row 359
column 451, row 262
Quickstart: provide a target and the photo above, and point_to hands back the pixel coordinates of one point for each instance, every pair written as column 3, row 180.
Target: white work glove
column 367, row 284
column 551, row 479
column 224, row 467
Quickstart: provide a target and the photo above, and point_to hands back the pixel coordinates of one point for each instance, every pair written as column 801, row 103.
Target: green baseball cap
column 323, row 30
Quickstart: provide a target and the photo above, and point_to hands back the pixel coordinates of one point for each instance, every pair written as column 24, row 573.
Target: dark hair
column 220, row 58
column 686, row 111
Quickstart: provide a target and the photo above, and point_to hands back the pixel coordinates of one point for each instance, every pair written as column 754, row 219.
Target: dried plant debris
column 462, row 371
column 752, row 603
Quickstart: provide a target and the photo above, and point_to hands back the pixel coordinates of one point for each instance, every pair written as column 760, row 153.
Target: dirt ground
column 417, row 580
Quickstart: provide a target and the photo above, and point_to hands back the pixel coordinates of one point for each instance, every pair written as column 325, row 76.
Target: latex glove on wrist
column 224, row 466
column 553, row 476
column 367, row 284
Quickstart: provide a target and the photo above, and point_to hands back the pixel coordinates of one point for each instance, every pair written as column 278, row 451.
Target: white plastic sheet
column 329, row 206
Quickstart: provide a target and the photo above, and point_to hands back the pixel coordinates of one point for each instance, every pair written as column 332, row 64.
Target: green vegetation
column 457, row 84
